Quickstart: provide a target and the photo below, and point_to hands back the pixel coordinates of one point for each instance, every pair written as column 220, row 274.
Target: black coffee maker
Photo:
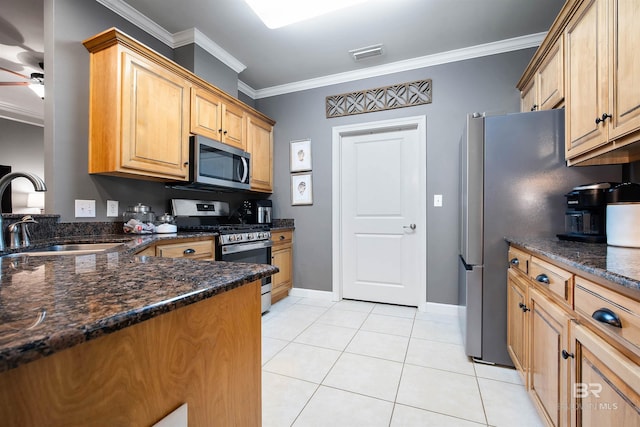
column 585, row 217
column 257, row 211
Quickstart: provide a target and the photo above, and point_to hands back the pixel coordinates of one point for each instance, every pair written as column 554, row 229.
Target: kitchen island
column 113, row 338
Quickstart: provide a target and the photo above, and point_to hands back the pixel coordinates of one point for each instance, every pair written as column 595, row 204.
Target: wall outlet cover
column 112, row 208
column 85, row 208
column 437, row 200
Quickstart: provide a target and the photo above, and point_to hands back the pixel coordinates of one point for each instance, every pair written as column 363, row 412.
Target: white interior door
column 382, row 220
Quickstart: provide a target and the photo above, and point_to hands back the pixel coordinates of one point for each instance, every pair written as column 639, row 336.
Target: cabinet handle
column 220, row 130
column 566, row 355
column 523, row 307
column 604, row 117
column 515, row 261
column 224, row 133
column 282, row 237
column 607, row 316
column 186, row 163
column 542, row 278
column 189, row 251
column 534, row 107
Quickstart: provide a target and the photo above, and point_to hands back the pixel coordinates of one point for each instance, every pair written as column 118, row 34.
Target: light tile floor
column 356, row 363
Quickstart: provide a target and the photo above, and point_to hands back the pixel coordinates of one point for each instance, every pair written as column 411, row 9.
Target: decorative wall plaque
column 379, row 99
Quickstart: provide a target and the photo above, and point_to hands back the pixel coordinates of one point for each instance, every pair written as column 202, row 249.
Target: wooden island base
column 207, row 354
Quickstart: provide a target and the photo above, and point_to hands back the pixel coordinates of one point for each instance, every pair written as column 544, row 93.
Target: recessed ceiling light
column 366, row 52
column 278, row 13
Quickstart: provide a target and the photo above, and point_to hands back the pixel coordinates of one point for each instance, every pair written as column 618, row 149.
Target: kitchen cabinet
column 606, row 383
column 260, row 145
column 580, row 368
column 138, row 115
column 517, row 331
column 545, row 89
column 205, row 354
column 143, row 108
column 215, row 118
column 282, row 257
column 195, row 248
column 548, row 378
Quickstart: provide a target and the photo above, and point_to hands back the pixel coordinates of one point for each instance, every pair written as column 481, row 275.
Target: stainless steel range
column 236, row 242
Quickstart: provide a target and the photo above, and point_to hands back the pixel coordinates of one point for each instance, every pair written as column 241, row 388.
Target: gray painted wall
column 484, row 84
column 22, row 148
column 201, row 63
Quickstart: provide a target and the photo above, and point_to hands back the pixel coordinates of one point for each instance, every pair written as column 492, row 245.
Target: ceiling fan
column 35, row 81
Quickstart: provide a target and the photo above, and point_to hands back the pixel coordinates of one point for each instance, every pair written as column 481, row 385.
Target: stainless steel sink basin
column 70, row 249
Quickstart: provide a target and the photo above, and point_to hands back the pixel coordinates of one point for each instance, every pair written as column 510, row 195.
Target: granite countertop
column 620, row 266
column 50, row 303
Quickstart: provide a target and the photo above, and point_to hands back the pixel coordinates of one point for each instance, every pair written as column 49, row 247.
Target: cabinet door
column 606, row 384
column 260, row 145
column 155, row 131
column 550, row 78
column 549, row 371
column 206, row 114
column 233, row 126
column 529, row 97
column 281, row 281
column 517, row 320
column 586, row 51
column 624, row 68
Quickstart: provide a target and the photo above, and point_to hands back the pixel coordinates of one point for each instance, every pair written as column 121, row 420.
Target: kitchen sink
column 69, row 249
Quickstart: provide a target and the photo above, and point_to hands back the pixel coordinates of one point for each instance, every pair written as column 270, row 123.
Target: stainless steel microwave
column 218, row 166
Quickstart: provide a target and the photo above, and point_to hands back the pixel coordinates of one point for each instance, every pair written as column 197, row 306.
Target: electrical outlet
column 85, row 208
column 437, row 200
column 112, row 208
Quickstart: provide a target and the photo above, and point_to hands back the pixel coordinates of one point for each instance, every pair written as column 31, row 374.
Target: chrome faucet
column 38, row 185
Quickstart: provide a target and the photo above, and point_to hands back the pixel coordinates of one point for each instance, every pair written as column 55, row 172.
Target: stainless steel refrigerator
column 513, row 182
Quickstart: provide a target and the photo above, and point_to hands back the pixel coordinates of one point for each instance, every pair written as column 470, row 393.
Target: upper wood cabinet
column 545, row 88
column 215, row 118
column 143, row 108
column 260, row 145
column 138, row 116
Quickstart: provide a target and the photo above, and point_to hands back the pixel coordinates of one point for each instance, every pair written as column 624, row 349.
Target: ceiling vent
column 366, row 52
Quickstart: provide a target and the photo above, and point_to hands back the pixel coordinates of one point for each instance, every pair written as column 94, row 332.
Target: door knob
column 411, row 226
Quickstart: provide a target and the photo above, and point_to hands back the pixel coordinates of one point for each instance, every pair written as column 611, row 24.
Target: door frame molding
column 338, row 132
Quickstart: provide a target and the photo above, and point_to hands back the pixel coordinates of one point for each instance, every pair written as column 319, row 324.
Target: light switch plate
column 112, row 208
column 437, row 200
column 85, row 208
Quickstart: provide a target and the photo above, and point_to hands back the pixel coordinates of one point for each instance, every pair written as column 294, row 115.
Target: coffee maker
column 585, row 217
column 257, row 211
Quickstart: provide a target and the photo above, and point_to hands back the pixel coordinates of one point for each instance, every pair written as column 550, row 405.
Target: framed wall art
column 301, row 189
column 300, row 155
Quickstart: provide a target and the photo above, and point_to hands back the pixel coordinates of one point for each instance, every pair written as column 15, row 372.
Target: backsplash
column 48, row 227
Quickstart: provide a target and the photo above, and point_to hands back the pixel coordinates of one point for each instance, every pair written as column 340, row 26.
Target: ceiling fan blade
column 14, row 73
column 14, row 83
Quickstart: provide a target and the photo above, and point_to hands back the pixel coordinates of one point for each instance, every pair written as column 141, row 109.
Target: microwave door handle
column 245, row 169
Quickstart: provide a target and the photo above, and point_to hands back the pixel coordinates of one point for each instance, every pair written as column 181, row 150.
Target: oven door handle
column 244, row 247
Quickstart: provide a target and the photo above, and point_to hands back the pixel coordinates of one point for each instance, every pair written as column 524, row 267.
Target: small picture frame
column 300, row 155
column 301, row 189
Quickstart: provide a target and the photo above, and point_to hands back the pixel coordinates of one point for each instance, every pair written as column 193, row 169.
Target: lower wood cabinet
column 206, row 354
column 548, row 371
column 282, row 257
column 194, row 248
column 578, row 370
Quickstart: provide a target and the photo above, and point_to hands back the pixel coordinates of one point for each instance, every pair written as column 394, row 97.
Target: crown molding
column 508, row 45
column 193, row 35
column 138, row 19
column 246, row 89
column 19, row 114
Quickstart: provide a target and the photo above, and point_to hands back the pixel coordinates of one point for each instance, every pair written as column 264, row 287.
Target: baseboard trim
column 311, row 293
column 437, row 308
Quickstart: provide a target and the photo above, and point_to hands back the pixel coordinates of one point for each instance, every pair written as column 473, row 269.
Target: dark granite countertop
column 50, row 303
column 620, row 266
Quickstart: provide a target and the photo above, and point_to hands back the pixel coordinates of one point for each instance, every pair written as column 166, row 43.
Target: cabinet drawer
column 605, row 309
column 558, row 281
column 281, row 237
column 519, row 260
column 202, row 249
